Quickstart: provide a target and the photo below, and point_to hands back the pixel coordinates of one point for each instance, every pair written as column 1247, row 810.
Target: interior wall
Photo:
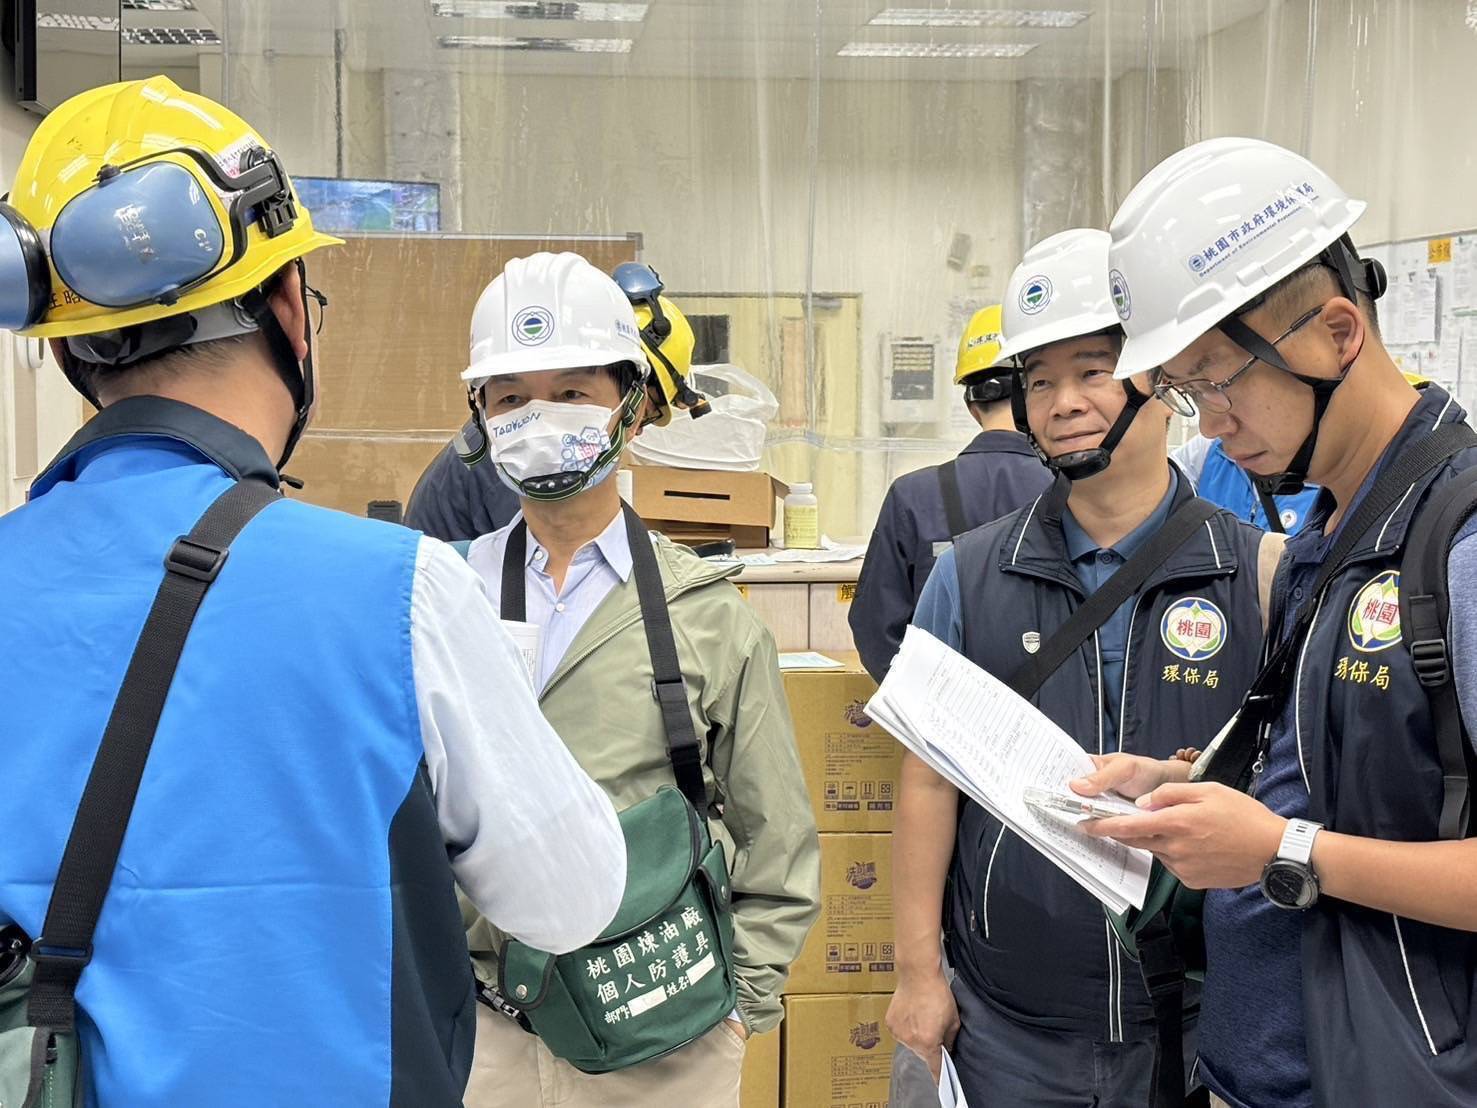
column 1389, row 108
column 38, row 409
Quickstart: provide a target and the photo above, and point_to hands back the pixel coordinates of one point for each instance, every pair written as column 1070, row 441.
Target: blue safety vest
column 282, row 927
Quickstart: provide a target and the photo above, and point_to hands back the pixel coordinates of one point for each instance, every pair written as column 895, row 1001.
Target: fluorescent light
column 989, row 17
column 159, row 5
column 935, row 50
column 60, row 21
column 170, row 36
column 557, row 45
column 584, row 11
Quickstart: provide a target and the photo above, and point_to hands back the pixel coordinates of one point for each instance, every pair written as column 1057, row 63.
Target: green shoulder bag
column 661, row 974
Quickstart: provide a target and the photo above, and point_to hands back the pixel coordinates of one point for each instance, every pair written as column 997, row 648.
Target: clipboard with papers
column 993, row 745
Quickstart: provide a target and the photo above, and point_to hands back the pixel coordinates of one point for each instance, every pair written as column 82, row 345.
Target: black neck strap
column 668, row 686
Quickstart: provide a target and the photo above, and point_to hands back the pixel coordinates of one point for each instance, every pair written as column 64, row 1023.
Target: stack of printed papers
column 993, row 745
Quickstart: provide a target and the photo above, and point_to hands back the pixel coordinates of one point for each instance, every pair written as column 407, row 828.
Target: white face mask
column 555, row 443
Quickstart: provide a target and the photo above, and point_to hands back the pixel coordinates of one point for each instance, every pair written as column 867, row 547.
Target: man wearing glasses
column 1341, row 960
column 1046, row 1007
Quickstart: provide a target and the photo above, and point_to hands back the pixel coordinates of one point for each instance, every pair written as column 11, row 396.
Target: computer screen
column 347, row 204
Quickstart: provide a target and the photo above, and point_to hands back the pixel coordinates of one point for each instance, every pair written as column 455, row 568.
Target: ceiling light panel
column 554, row 45
column 159, row 5
column 170, row 36
column 988, row 17
column 582, row 11
column 935, row 50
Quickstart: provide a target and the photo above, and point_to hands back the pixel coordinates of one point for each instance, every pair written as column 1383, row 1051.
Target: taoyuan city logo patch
column 1193, row 629
column 1118, row 289
column 1035, row 294
column 533, row 326
column 1374, row 617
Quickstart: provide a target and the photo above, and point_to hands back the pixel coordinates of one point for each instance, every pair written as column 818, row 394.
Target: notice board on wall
column 395, row 341
column 1428, row 316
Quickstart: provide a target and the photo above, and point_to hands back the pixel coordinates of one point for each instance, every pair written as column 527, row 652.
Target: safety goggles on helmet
column 643, row 288
column 988, row 388
column 147, row 232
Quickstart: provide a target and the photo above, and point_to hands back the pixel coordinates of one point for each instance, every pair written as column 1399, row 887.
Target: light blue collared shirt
column 597, row 567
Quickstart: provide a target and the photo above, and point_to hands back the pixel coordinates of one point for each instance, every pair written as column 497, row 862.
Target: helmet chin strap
column 1078, row 465
column 1355, row 275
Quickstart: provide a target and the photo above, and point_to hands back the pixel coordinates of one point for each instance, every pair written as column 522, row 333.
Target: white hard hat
column 1207, row 231
column 1058, row 292
column 551, row 311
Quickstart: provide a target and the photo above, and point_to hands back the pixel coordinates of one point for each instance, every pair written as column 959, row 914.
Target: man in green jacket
column 558, row 363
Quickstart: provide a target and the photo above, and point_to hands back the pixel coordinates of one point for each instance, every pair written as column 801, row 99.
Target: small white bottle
column 802, row 519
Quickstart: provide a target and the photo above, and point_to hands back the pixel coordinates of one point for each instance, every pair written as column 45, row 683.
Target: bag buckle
column 498, row 1003
column 1428, row 656
column 196, row 560
column 60, row 962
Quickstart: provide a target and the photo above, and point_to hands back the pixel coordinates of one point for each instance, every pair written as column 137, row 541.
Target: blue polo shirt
column 939, row 609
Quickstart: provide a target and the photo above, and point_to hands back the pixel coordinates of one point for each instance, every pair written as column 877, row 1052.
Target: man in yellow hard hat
column 457, row 499
column 322, row 723
column 926, row 510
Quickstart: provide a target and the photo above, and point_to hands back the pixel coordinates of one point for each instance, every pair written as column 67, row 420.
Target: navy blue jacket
column 1386, row 1000
column 1022, row 934
column 452, row 502
column 998, row 473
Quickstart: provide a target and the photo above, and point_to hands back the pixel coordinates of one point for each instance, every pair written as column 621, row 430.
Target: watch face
column 1288, row 885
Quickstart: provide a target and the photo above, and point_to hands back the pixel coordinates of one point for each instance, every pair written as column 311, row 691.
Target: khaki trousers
column 513, row 1069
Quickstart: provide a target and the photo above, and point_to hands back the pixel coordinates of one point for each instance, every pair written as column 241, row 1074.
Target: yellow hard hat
column 979, row 346
column 670, row 358
column 140, row 201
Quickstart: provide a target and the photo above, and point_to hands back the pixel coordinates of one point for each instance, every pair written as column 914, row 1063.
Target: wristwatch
column 1288, row 880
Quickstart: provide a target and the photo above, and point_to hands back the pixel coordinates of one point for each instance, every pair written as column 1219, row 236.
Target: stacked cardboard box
column 836, row 1050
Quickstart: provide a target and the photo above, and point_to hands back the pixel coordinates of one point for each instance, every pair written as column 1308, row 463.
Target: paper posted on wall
column 972, row 730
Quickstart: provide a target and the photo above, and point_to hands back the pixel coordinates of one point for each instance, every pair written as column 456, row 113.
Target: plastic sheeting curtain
column 830, row 187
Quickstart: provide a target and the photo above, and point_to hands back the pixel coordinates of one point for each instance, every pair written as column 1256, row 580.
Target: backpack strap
column 1233, row 754
column 1425, row 611
column 953, row 499
column 65, row 946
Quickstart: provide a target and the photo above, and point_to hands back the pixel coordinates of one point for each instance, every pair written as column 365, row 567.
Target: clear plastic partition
column 829, row 188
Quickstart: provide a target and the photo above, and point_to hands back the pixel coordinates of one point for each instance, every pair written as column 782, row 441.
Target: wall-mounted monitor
column 63, row 47
column 347, row 204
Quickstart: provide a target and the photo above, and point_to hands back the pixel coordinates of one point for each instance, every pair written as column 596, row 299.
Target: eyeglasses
column 1189, row 398
column 316, row 298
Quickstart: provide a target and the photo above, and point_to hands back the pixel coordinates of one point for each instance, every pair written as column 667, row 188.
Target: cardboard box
column 704, row 505
column 851, row 764
column 851, row 948
column 837, row 1052
column 759, row 1084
